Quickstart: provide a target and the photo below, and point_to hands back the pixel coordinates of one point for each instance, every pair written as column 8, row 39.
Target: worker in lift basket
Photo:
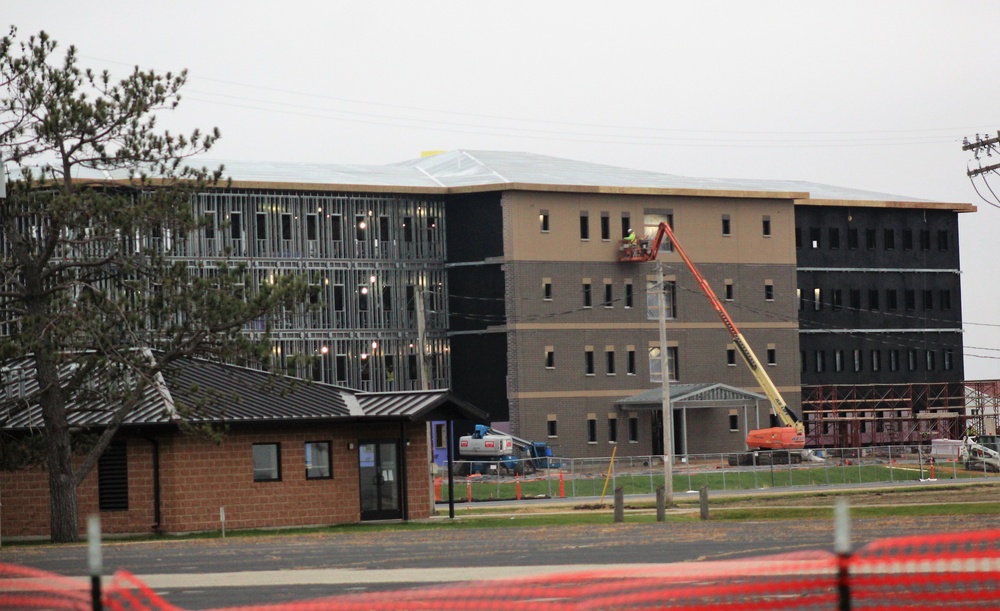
column 630, row 243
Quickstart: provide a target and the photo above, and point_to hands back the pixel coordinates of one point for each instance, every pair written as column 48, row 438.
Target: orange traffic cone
column 562, row 486
column 437, row 488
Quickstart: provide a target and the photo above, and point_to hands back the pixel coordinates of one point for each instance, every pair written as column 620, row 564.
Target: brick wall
column 199, row 476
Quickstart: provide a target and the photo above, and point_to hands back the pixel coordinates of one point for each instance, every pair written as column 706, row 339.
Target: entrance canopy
column 690, row 396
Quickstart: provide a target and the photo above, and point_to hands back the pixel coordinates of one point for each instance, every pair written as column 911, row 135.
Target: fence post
column 842, row 547
column 94, row 560
column 661, row 504
column 619, row 504
column 703, row 501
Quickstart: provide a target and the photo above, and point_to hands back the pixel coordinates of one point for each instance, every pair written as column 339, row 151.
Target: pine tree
column 90, row 296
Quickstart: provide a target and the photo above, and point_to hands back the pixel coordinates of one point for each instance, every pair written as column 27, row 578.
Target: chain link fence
column 640, row 475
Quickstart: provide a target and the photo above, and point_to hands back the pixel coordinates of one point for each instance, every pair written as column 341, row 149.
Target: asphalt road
column 212, row 573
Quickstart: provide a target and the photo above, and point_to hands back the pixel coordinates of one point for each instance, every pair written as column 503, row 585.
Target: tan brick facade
column 582, row 335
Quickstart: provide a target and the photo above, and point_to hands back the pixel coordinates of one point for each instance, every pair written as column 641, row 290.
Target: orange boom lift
column 789, row 436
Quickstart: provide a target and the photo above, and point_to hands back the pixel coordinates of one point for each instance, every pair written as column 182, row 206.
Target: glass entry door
column 380, row 481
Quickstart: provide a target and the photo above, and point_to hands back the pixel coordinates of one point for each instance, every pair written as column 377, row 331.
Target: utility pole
column 987, row 146
column 668, row 419
column 421, row 340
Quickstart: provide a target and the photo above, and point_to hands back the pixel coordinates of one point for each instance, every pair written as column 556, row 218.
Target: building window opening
column 318, row 460
column 266, row 462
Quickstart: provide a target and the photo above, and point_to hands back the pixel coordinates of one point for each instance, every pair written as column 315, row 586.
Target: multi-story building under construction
column 497, row 275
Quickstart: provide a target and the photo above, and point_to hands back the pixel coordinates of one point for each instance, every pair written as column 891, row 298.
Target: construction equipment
column 770, row 445
column 491, row 450
column 980, row 458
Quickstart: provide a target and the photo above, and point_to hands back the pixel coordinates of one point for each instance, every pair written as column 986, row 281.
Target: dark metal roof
column 419, row 405
column 237, row 394
column 205, row 392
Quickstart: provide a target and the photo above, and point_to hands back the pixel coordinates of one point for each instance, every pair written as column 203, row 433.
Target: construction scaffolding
column 982, row 403
column 852, row 416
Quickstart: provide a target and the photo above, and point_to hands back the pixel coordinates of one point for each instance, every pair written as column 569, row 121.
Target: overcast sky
column 870, row 95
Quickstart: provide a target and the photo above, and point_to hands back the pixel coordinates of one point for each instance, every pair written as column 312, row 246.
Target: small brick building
column 285, row 453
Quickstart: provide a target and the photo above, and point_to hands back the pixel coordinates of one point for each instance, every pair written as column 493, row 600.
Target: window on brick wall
column 633, row 429
column 547, row 289
column 631, row 362
column 584, row 225
column 266, row 462
column 613, row 428
column 653, row 300
column 550, row 357
column 591, row 429
column 440, row 435
column 587, row 297
column 609, row 295
column 734, row 422
column 768, row 291
column 727, row 226
column 588, row 361
column 656, row 364
column 605, row 226
column 629, row 296
column 765, row 226
column 318, row 460
column 552, row 426
column 112, row 478
column 610, row 358
column 543, row 220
